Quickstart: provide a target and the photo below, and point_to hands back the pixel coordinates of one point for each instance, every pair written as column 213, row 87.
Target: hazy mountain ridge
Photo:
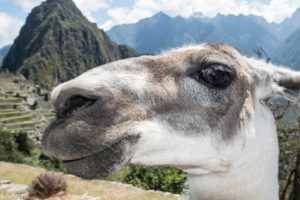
column 246, row 30
column 288, row 52
column 58, row 42
column 286, row 28
column 246, row 33
column 151, row 35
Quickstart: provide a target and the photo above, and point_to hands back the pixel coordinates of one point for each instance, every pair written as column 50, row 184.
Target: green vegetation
column 165, row 179
column 19, row 148
column 16, row 117
column 9, row 104
column 289, row 162
column 10, row 98
column 20, row 123
column 7, row 110
column 12, row 113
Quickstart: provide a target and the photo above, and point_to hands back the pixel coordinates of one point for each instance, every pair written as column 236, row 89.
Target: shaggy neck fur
column 253, row 176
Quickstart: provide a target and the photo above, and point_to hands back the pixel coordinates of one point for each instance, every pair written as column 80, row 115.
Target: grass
column 7, row 110
column 51, row 117
column 20, row 123
column 13, row 111
column 8, row 104
column 16, row 117
column 10, row 98
column 22, row 174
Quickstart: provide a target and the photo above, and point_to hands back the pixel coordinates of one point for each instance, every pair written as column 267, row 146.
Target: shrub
column 19, row 148
column 9, row 149
column 289, row 161
column 165, row 179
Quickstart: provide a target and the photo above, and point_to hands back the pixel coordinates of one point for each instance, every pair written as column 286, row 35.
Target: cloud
column 88, row 7
column 27, row 5
column 274, row 11
column 121, row 15
column 9, row 28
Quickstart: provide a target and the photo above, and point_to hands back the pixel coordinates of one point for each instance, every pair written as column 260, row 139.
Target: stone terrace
column 23, row 105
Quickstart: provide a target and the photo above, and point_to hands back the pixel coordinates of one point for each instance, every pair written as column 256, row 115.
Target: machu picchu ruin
column 24, row 106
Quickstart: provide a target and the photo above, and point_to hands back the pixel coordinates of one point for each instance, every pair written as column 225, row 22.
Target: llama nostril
column 73, row 104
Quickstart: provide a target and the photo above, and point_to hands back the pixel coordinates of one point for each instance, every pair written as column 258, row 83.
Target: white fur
column 185, row 48
column 252, row 176
column 91, row 82
column 245, row 169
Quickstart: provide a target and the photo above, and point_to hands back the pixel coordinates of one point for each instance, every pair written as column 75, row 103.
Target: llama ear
column 288, row 85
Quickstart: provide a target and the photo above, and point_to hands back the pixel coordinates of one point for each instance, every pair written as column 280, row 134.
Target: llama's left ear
column 288, row 84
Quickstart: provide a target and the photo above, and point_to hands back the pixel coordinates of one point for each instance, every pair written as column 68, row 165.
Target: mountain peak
column 296, row 14
column 57, row 41
column 198, row 15
column 160, row 15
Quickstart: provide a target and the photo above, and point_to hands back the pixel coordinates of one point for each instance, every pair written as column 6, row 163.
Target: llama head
column 192, row 108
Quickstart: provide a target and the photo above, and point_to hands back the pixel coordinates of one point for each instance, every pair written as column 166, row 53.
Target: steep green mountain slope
column 289, row 52
column 57, row 41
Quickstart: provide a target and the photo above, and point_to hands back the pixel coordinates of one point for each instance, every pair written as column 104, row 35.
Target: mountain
column 289, row 52
column 280, row 30
column 159, row 32
column 3, row 51
column 58, row 42
column 288, row 26
column 249, row 31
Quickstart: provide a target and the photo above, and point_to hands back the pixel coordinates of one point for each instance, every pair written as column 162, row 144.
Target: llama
column 196, row 108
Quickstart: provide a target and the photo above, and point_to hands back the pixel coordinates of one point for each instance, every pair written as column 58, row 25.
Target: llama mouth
column 105, row 162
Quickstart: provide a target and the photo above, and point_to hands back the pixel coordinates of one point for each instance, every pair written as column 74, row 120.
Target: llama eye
column 215, row 76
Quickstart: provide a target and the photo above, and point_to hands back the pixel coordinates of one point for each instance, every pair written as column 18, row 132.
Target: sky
column 107, row 13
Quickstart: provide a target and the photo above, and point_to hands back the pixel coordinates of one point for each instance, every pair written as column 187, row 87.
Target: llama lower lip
column 98, row 165
column 103, row 163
